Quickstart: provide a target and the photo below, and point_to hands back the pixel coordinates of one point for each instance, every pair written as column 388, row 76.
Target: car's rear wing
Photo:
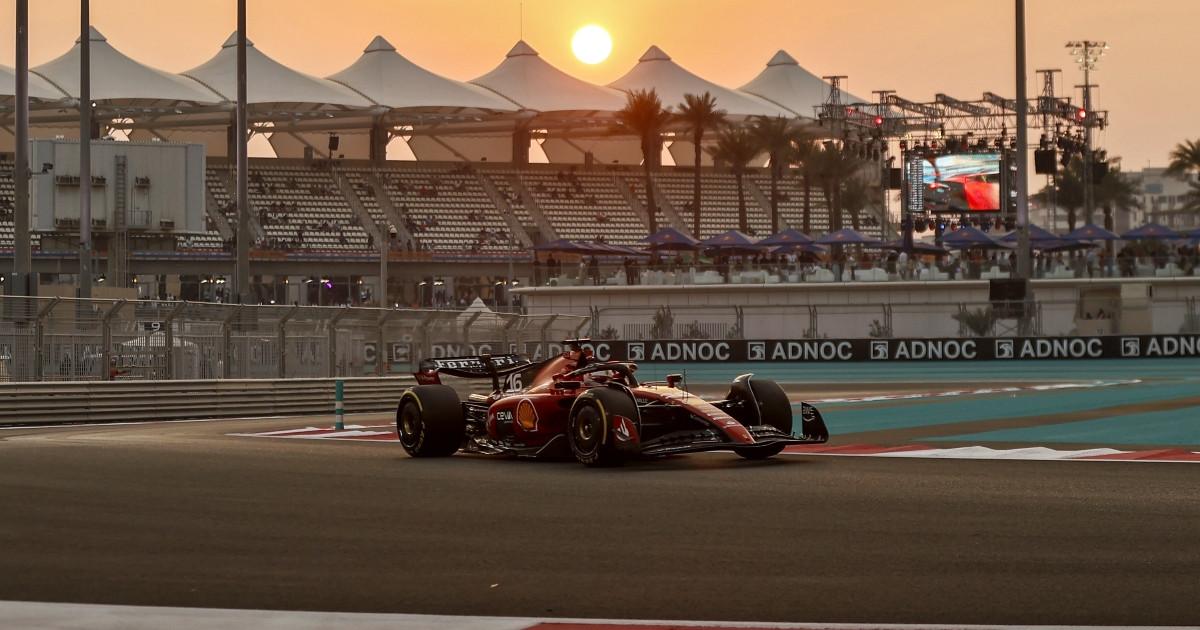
column 482, row 366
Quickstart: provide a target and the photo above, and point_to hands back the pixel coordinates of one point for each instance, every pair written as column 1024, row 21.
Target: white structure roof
column 39, row 88
column 387, row 78
column 529, row 81
column 787, row 84
column 117, row 79
column 270, row 83
column 671, row 81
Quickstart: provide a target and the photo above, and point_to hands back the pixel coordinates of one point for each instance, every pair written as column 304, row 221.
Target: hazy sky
column 963, row 48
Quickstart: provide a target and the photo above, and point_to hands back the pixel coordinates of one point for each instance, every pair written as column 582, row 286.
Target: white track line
column 35, row 615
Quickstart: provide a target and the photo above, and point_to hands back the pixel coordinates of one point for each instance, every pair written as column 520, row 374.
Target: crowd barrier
column 117, row 401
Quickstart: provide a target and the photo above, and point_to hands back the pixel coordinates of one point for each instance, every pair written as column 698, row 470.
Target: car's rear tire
column 589, row 428
column 429, row 421
column 773, row 409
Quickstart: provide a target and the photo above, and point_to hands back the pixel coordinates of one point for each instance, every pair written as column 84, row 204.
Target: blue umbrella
column 918, row 247
column 786, row 237
column 969, row 237
column 671, row 238
column 1065, row 244
column 1036, row 233
column 732, row 243
column 562, row 245
column 846, row 236
column 1091, row 232
column 800, row 248
column 1151, row 230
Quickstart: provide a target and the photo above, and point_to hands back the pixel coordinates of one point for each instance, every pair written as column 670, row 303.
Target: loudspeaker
column 308, row 155
column 334, row 141
column 1099, row 171
column 1007, row 289
column 895, row 179
column 1045, row 161
column 1007, row 296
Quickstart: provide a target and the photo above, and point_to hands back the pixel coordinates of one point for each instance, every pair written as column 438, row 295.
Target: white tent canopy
column 39, row 88
column 655, row 70
column 785, row 83
column 529, row 81
column 270, row 84
column 387, row 78
column 119, row 80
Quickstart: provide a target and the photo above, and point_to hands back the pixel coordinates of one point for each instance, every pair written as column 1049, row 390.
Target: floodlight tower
column 1087, row 54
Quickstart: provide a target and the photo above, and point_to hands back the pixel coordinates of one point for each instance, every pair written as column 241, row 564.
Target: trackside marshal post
column 338, row 408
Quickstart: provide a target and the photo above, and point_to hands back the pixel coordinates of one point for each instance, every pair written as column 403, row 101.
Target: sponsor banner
column 846, row 350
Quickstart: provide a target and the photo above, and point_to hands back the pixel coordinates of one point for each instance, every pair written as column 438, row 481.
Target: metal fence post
column 106, row 372
column 332, row 367
column 383, row 361
column 466, row 329
column 422, row 334
column 506, row 334
column 39, row 334
column 542, row 343
column 283, row 340
column 227, row 343
column 169, row 337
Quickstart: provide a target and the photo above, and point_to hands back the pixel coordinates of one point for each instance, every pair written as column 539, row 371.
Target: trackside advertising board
column 845, row 350
column 839, row 350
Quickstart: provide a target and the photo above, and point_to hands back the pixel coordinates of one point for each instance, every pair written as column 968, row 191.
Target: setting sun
column 591, row 44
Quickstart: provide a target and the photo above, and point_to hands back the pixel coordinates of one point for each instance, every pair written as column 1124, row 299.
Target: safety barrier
column 114, row 401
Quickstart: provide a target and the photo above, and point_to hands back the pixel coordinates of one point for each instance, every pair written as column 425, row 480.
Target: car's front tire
column 764, row 404
column 429, row 421
column 589, row 427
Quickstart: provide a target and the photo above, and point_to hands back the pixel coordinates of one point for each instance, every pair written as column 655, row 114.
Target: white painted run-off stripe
column 101, row 617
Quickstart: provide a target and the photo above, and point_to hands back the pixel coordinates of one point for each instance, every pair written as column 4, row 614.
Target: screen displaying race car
column 961, row 182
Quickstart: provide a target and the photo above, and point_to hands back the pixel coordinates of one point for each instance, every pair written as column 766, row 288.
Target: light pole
column 85, row 151
column 22, row 263
column 1087, row 54
column 1023, row 249
column 242, row 271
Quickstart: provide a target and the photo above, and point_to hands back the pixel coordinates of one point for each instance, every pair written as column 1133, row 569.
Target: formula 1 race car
column 597, row 412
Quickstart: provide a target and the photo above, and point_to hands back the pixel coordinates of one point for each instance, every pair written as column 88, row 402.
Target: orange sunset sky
column 1148, row 81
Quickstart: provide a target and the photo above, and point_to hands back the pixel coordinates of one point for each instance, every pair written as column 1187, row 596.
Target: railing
column 928, row 320
column 55, row 339
column 45, row 403
column 615, row 273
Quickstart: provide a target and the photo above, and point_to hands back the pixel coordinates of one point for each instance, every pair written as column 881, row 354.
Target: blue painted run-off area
column 1160, row 380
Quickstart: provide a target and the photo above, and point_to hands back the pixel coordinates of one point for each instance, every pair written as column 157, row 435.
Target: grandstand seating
column 584, row 206
column 719, row 205
column 448, row 208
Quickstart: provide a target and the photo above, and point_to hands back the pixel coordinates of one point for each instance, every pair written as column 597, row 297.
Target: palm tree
column 737, row 147
column 1116, row 191
column 833, row 165
column 1067, row 192
column 1185, row 159
column 855, row 197
column 775, row 135
column 804, row 155
column 699, row 114
column 645, row 116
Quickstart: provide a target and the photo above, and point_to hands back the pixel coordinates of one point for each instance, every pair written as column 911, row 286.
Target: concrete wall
column 849, row 310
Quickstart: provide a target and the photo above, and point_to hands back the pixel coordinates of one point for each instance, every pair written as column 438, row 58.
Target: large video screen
column 961, row 182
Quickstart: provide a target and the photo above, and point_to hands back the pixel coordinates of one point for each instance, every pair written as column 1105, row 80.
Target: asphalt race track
column 182, row 514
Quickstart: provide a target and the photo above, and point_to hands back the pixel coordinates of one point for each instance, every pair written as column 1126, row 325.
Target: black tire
column 774, row 409
column 589, row 428
column 429, row 421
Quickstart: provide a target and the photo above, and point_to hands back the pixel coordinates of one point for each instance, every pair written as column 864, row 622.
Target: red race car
column 595, row 411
